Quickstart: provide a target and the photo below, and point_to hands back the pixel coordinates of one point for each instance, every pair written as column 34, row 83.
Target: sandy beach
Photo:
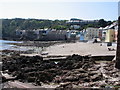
column 81, row 48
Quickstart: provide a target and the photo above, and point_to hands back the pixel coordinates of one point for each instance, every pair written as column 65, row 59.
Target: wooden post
column 117, row 65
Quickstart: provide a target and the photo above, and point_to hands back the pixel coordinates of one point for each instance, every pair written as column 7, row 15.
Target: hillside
column 10, row 25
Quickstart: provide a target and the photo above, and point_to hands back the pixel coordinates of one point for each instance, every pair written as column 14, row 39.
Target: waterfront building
column 91, row 33
column 110, row 34
column 56, row 35
column 83, row 35
column 20, row 32
column 101, row 34
column 72, row 34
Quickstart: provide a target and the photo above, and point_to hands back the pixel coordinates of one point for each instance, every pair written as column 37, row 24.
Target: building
column 75, row 21
column 55, row 35
column 31, row 34
column 102, row 34
column 78, row 23
column 20, row 32
column 41, row 33
column 83, row 35
column 91, row 33
column 110, row 34
column 47, row 34
column 75, row 27
column 116, row 33
column 72, row 35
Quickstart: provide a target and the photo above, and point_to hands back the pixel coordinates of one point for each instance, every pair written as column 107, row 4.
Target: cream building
column 110, row 35
column 91, row 33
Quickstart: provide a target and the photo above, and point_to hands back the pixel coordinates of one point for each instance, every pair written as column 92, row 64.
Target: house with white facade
column 78, row 23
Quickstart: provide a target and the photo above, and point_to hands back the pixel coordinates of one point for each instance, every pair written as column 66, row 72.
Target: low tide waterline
column 7, row 45
column 12, row 45
column 4, row 45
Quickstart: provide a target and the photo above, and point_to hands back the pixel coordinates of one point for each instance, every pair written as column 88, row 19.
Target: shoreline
column 36, row 46
column 58, row 48
column 75, row 70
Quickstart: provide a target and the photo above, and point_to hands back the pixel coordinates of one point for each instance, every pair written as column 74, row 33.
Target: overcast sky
column 59, row 10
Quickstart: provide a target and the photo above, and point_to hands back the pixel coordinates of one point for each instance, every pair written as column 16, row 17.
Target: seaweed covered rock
column 75, row 57
column 73, row 69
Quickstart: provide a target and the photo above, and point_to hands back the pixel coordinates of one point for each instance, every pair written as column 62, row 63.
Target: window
column 104, row 32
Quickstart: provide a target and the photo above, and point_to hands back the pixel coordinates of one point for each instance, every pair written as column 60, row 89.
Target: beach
column 78, row 69
column 60, row 48
column 81, row 48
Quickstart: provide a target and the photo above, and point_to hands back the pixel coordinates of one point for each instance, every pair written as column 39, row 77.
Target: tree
column 118, row 47
column 60, row 27
column 102, row 23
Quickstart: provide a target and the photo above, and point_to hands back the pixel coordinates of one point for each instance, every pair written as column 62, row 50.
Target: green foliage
column 100, row 23
column 10, row 25
column 60, row 27
column 89, row 25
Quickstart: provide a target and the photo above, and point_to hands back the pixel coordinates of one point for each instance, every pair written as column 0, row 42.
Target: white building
column 75, row 26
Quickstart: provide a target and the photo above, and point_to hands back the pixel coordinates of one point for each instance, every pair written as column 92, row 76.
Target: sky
column 87, row 10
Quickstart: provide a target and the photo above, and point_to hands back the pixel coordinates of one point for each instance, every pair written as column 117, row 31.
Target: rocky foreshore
column 73, row 72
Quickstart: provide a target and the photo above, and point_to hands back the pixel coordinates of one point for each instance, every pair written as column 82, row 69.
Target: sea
column 6, row 44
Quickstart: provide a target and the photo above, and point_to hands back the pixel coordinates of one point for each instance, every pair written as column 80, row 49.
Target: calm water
column 4, row 44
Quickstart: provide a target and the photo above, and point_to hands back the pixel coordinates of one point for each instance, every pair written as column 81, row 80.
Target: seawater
column 4, row 44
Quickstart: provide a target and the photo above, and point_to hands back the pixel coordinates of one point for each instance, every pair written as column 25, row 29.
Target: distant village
column 106, row 34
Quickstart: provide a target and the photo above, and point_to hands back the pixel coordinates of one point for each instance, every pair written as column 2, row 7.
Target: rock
column 81, row 70
column 71, row 79
column 2, row 79
column 34, row 69
column 75, row 57
column 31, row 79
column 86, row 79
column 83, row 75
column 45, row 76
column 65, row 86
column 97, row 77
column 91, row 73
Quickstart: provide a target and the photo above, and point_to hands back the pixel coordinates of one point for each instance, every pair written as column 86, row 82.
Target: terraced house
column 106, row 34
column 47, row 34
